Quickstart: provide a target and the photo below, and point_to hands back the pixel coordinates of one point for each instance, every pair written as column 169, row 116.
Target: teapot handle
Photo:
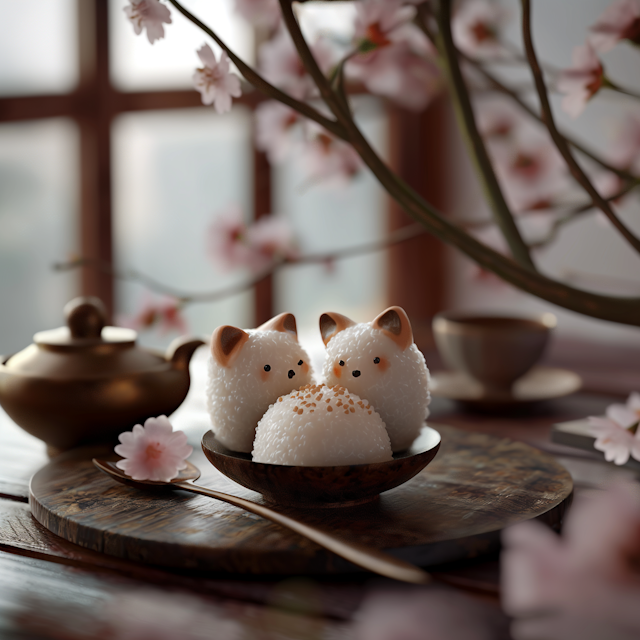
column 179, row 352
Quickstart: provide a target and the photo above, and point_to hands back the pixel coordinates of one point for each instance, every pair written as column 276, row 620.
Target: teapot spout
column 180, row 351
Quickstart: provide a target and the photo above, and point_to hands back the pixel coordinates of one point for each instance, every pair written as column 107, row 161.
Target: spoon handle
column 359, row 554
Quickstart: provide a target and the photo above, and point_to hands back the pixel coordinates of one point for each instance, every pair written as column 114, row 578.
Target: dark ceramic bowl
column 322, row 486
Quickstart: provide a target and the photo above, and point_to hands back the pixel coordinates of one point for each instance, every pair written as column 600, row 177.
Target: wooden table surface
column 50, row 588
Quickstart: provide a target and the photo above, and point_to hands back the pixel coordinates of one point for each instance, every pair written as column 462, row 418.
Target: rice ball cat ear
column 284, row 322
column 395, row 323
column 226, row 343
column 333, row 323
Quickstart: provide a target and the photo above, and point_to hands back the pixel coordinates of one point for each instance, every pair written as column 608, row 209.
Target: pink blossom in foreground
column 275, row 129
column 154, row 614
column 281, row 65
column 164, row 313
column 398, row 73
column 628, row 414
column 149, row 15
column 581, row 81
column 427, row 613
column 615, row 441
column 476, row 28
column 233, row 244
column 214, row 81
column 584, row 584
column 153, row 452
column 260, row 13
column 619, row 21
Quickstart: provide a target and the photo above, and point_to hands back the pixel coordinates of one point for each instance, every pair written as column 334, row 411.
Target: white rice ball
column 321, row 426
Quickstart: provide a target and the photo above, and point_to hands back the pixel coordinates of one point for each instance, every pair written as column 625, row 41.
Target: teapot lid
column 86, row 319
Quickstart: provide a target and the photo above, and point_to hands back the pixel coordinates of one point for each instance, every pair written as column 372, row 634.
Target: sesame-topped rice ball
column 321, row 426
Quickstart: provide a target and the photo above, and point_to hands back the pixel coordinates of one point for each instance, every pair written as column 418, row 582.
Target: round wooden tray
column 453, row 509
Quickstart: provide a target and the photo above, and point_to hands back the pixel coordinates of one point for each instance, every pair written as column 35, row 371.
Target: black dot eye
column 376, row 360
column 267, row 367
column 341, row 363
column 299, row 362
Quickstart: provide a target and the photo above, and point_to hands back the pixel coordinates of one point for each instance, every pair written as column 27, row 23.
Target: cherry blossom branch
column 500, row 86
column 254, row 78
column 183, row 298
column 467, row 123
column 576, row 213
column 561, row 144
column 615, row 309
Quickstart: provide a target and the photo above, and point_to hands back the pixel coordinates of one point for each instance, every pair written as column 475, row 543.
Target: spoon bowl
column 337, row 486
column 189, row 473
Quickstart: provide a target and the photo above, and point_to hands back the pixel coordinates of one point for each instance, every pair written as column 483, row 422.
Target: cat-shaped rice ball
column 248, row 371
column 379, row 361
column 319, row 426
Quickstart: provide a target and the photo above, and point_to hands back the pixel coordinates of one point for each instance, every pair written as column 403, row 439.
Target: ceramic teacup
column 493, row 350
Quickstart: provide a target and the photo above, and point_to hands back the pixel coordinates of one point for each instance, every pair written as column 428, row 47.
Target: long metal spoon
column 359, row 554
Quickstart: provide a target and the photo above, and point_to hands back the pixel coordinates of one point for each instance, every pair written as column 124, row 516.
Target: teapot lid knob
column 86, row 316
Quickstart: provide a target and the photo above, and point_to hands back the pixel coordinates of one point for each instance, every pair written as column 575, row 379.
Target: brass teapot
column 87, row 382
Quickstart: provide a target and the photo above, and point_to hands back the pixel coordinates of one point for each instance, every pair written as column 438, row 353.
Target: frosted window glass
column 170, row 62
column 173, row 172
column 326, row 219
column 38, row 226
column 38, row 46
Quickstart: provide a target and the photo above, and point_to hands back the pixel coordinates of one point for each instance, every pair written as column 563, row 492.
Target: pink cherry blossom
column 628, row 414
column 329, row 160
column 275, row 130
column 260, row 13
column 281, row 65
column 615, row 441
column 476, row 28
column 149, row 15
column 582, row 584
column 233, row 244
column 380, row 22
column 214, row 81
column 270, row 239
column 164, row 313
column 496, row 118
column 531, row 172
column 620, row 21
column 227, row 242
column 581, row 81
column 398, row 73
column 153, row 452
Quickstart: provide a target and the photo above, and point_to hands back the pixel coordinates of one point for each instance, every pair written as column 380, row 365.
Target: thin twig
column 260, row 83
column 559, row 141
column 183, row 297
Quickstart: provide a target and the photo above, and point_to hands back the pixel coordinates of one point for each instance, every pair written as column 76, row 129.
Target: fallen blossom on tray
column 149, row 15
column 581, row 81
column 626, row 415
column 153, row 451
column 615, row 441
column 619, row 21
column 214, row 81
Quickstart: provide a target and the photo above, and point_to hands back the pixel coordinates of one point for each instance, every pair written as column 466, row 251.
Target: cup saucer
column 541, row 383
